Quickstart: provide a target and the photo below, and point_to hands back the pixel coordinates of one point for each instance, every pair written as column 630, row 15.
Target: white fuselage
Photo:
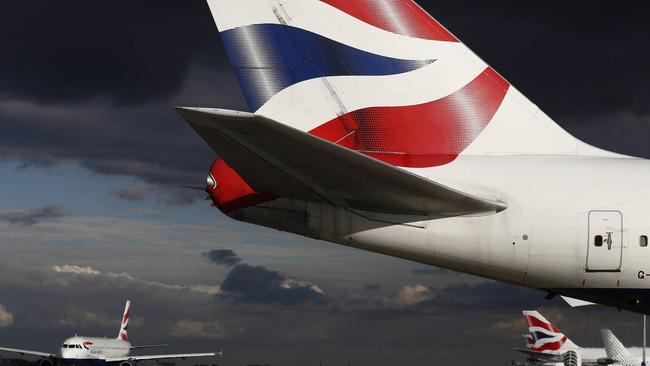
column 556, row 206
column 85, row 348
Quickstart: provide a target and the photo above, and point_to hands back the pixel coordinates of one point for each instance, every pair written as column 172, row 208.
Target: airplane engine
column 572, row 358
column 128, row 363
column 45, row 362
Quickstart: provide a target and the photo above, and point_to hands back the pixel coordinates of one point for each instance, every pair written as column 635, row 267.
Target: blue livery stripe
column 268, row 58
column 541, row 335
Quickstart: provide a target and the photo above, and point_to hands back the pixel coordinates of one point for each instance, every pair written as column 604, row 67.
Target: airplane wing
column 150, row 346
column 161, row 357
column 27, row 352
column 279, row 160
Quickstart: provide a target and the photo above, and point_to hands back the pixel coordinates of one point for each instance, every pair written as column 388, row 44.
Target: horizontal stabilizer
column 576, row 303
column 540, row 356
column 279, row 160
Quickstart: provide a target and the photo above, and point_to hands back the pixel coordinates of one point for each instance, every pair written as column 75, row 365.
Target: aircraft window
column 598, row 241
column 65, row 346
column 643, row 241
column 79, row 346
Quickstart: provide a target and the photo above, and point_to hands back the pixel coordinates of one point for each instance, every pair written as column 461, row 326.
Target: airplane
column 551, row 347
column 102, row 351
column 371, row 126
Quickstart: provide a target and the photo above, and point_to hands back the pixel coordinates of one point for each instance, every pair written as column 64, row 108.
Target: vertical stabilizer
column 124, row 334
column 616, row 350
column 381, row 77
column 546, row 336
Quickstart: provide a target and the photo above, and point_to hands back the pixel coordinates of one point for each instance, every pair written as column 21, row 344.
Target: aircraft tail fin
column 380, row 77
column 123, row 334
column 546, row 337
column 615, row 349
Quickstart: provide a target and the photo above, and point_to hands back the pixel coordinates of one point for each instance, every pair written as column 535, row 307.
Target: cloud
column 89, row 271
column 166, row 194
column 412, row 295
column 199, row 329
column 427, row 271
column 66, row 268
column 133, row 64
column 134, row 193
column 6, row 318
column 33, row 217
column 260, row 285
column 224, row 257
column 257, row 284
column 373, row 287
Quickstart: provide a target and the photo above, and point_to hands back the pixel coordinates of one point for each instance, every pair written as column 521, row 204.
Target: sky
column 92, row 157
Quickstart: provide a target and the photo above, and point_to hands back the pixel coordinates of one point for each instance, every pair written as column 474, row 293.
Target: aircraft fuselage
column 574, row 225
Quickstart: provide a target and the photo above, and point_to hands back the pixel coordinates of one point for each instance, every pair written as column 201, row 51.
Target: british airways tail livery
column 372, row 126
column 124, row 334
column 549, row 346
column 95, row 351
column 546, row 337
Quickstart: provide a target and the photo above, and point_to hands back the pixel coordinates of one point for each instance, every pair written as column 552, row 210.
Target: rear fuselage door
column 605, row 242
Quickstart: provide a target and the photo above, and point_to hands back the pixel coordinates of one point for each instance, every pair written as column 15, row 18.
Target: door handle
column 609, row 241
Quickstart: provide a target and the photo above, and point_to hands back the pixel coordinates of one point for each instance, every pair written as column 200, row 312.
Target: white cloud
column 291, row 283
column 89, row 271
column 412, row 295
column 6, row 318
column 76, row 270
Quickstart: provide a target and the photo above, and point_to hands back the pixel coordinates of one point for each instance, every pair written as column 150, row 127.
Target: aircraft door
column 605, row 242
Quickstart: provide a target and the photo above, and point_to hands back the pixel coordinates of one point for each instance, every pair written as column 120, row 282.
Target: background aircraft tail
column 380, row 77
column 123, row 334
column 615, row 349
column 546, row 337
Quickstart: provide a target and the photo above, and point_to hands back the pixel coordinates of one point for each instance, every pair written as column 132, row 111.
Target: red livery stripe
column 534, row 322
column 424, row 135
column 551, row 346
column 398, row 16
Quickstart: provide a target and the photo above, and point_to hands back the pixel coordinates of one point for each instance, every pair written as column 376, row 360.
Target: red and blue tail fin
column 381, row 77
column 124, row 325
column 546, row 337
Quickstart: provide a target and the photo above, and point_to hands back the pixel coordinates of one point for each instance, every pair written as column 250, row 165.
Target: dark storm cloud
column 225, row 257
column 257, row 284
column 426, row 271
column 372, row 287
column 64, row 51
column 94, row 83
column 33, row 217
column 165, row 194
column 488, row 296
column 135, row 193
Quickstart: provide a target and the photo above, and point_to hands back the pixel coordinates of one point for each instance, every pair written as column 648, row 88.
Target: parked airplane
column 374, row 127
column 93, row 351
column 550, row 346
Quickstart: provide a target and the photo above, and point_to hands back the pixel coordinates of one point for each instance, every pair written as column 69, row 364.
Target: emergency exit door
column 605, row 242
